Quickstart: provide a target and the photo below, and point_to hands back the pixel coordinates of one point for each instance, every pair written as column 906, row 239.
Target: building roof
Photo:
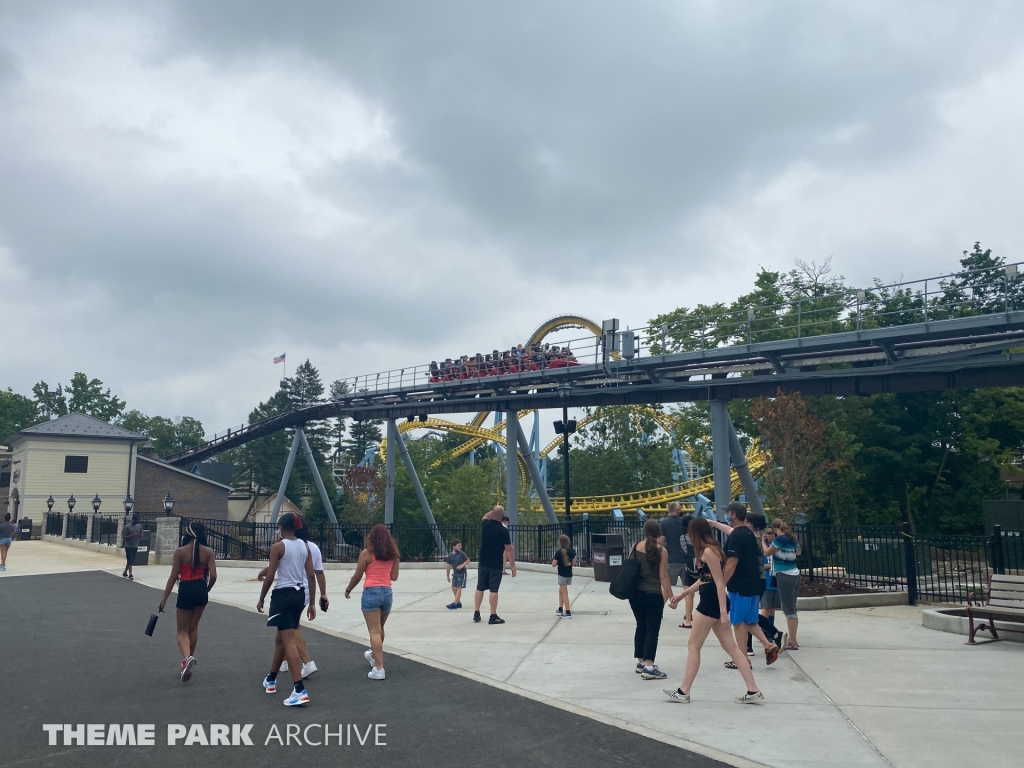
column 212, row 470
column 168, row 467
column 80, row 425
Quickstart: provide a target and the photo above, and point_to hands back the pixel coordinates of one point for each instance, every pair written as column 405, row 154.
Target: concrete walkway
column 869, row 687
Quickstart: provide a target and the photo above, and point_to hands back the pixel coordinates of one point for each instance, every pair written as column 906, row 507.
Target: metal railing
column 78, row 526
column 105, row 529
column 53, row 524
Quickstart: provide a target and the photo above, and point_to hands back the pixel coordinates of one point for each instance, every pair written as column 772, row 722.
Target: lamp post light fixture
column 49, row 504
column 96, row 504
column 129, row 502
column 565, row 427
column 168, row 503
column 71, row 503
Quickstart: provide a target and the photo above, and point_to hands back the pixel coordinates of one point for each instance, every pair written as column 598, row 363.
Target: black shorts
column 689, row 578
column 708, row 604
column 488, row 579
column 192, row 594
column 129, row 555
column 286, row 606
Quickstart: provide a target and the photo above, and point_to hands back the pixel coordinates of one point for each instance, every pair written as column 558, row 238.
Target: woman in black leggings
column 648, row 604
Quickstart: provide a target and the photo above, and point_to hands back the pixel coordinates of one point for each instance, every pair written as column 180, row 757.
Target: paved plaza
column 869, row 687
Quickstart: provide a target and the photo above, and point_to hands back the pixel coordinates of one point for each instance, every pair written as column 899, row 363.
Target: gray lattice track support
column 407, row 460
column 284, row 478
column 389, row 476
column 320, row 484
column 739, row 460
column 511, row 468
column 538, row 481
column 720, row 454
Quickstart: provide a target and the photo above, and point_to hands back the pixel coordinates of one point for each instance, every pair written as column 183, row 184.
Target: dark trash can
column 142, row 554
column 607, row 550
column 24, row 529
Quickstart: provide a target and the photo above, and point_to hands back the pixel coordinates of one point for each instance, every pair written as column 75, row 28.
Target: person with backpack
column 648, row 601
column 564, row 560
column 712, row 615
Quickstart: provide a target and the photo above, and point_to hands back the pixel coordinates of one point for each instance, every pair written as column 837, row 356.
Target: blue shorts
column 377, row 599
column 6, row 542
column 743, row 609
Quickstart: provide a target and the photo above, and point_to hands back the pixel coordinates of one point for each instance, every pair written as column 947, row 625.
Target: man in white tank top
column 292, row 566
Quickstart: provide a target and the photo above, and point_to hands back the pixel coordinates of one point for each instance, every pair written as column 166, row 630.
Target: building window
column 78, row 465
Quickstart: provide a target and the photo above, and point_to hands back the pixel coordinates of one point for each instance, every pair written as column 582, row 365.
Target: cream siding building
column 75, row 454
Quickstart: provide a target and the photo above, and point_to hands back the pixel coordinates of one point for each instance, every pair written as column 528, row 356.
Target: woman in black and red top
column 194, row 566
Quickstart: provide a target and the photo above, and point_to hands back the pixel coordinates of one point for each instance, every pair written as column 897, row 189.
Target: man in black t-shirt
column 495, row 545
column 680, row 554
column 743, row 559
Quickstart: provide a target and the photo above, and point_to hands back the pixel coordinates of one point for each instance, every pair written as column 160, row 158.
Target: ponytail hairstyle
column 563, row 550
column 783, row 528
column 291, row 522
column 194, row 532
column 703, row 538
column 652, row 531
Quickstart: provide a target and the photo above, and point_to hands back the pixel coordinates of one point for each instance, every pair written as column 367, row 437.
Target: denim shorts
column 377, row 599
column 6, row 542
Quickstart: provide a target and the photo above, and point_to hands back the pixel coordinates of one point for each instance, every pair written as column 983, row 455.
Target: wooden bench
column 1005, row 600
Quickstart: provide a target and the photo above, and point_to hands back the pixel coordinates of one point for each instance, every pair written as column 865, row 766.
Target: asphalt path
column 74, row 652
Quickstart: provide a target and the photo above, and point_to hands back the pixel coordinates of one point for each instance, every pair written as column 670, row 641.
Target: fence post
column 586, row 537
column 540, row 540
column 997, row 550
column 810, row 553
column 910, row 559
column 464, row 537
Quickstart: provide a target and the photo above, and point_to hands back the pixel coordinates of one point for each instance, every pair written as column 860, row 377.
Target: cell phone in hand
column 323, row 604
column 151, row 625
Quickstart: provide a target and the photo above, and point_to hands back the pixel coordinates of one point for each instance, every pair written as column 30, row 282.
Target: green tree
column 17, row 412
column 167, row 435
column 85, row 395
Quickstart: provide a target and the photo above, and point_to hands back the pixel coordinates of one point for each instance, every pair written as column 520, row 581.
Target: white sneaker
column 368, row 656
column 308, row 669
column 376, row 674
column 284, row 666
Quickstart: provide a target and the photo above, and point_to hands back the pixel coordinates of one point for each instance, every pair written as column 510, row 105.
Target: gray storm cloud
column 187, row 189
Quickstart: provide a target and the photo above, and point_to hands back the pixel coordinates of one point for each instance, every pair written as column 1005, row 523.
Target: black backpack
column 625, row 583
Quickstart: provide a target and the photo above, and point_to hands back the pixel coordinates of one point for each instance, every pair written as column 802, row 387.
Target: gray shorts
column 675, row 570
column 488, row 579
column 564, row 580
column 459, row 578
column 770, row 600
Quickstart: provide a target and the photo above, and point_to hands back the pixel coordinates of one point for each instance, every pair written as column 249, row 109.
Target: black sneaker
column 476, row 615
column 495, row 619
column 559, row 611
column 639, row 667
column 652, row 673
column 567, row 615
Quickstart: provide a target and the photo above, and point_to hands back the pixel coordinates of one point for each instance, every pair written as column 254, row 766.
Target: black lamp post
column 129, row 502
column 71, row 504
column 96, row 504
column 565, row 427
column 49, row 504
column 168, row 503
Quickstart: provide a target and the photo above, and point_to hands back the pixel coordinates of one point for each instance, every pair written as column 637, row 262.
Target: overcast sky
column 188, row 189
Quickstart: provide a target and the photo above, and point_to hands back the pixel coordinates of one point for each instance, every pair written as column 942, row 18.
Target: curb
column 947, row 620
column 860, row 600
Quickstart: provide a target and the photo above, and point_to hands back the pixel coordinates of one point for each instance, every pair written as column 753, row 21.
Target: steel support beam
column 739, row 460
column 287, row 474
column 535, row 476
column 389, row 476
column 720, row 455
column 317, row 480
column 407, row 460
column 511, row 467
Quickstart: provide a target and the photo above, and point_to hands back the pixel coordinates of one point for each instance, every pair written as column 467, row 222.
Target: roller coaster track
column 651, row 499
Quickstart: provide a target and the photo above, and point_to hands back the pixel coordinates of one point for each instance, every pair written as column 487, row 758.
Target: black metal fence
column 105, row 529
column 928, row 567
column 54, row 524
column 78, row 526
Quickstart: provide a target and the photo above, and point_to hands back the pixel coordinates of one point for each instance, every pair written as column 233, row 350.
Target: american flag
column 279, row 358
